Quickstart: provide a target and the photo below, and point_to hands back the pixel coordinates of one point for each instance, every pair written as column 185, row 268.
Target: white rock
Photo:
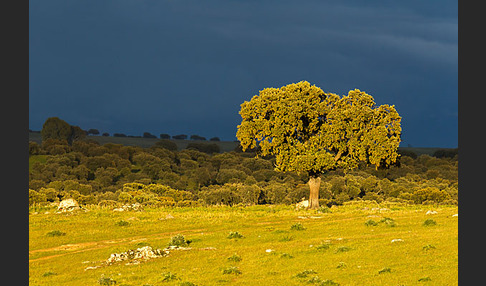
column 68, row 205
column 429, row 212
column 269, row 250
column 397, row 240
column 302, row 205
column 455, row 215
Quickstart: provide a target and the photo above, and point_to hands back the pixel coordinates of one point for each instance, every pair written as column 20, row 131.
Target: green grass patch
column 343, row 251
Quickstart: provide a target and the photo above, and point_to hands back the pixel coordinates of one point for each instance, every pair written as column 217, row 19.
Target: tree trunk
column 314, row 184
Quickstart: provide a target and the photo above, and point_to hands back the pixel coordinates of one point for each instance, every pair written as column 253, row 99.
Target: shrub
column 323, row 246
column 234, row 258
column 297, row 226
column 384, row 270
column 215, row 195
column 93, row 131
column 180, row 137
column 106, row 281
column 388, row 221
column 167, row 144
column 428, row 247
column 371, row 222
column 234, row 234
column 108, row 203
column 197, row 137
column 429, row 222
column 305, row 273
column 36, row 197
column 343, row 249
column 232, row 270
column 430, row 194
column 148, row 135
column 329, row 283
column 215, row 139
column 55, row 233
column 169, row 276
column 122, row 223
column 286, row 255
column 208, row 148
column 179, row 240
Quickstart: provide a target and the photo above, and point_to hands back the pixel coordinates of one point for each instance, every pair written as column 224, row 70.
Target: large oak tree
column 311, row 131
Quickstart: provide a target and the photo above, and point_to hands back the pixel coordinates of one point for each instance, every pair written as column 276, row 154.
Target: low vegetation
column 336, row 247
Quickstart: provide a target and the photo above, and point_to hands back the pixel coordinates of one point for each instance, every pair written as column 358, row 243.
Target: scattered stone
column 269, row 250
column 68, row 205
column 455, row 215
column 91, row 267
column 169, row 216
column 143, row 253
column 397, row 240
column 429, row 212
column 302, row 205
column 129, row 207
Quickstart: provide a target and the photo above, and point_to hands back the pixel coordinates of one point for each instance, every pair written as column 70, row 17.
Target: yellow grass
column 93, row 235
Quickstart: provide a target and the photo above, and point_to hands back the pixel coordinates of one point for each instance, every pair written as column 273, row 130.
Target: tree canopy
column 309, row 130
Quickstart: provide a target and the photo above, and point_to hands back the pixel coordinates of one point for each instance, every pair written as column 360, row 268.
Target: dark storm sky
column 184, row 67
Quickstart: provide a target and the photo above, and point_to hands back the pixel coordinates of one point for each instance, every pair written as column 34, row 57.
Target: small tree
column 164, row 136
column 56, row 128
column 180, row 137
column 312, row 132
column 148, row 135
column 93, row 131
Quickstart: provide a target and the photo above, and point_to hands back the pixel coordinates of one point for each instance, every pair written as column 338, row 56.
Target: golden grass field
column 338, row 247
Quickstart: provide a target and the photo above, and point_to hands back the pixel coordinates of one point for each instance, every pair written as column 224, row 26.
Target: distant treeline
column 112, row 174
column 55, row 128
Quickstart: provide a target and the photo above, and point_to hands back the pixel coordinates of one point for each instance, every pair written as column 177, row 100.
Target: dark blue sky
column 184, row 67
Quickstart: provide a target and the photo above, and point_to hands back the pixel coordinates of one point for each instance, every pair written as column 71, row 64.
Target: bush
column 234, row 258
column 234, row 234
column 179, row 240
column 232, row 270
column 430, row 194
column 148, row 135
column 208, row 148
column 167, row 144
column 429, row 222
column 197, row 137
column 180, row 137
column 55, row 233
column 297, row 226
column 108, row 203
column 36, row 197
column 164, row 136
column 215, row 195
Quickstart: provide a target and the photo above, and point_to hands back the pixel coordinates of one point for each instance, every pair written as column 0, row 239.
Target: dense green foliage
column 58, row 129
column 111, row 174
column 312, row 132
